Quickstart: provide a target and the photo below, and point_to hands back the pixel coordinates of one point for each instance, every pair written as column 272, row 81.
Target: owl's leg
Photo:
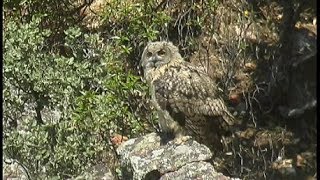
column 170, row 126
column 166, row 133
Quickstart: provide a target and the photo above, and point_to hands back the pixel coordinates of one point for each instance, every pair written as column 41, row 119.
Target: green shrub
column 61, row 110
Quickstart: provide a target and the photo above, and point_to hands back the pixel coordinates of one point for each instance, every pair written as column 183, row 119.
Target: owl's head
column 159, row 53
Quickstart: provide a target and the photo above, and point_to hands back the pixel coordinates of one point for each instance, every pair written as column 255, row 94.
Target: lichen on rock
column 146, row 158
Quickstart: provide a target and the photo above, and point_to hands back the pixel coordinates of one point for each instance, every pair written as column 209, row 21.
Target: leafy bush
column 60, row 111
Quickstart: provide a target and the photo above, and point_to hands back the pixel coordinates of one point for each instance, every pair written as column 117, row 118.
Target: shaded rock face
column 147, row 158
column 302, row 75
column 299, row 108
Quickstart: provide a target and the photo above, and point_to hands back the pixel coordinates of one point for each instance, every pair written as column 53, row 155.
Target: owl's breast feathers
column 188, row 93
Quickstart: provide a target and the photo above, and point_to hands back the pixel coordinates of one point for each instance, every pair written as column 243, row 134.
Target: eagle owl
column 185, row 97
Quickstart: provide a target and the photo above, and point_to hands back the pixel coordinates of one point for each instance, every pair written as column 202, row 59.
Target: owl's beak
column 155, row 59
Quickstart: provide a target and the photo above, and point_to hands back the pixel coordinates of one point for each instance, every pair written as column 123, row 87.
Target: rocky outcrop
column 14, row 170
column 99, row 171
column 147, row 158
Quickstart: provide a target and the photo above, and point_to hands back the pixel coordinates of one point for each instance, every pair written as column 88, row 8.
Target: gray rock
column 99, row 171
column 195, row 170
column 146, row 158
column 14, row 170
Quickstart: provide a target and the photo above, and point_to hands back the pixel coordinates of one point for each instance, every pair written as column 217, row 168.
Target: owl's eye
column 149, row 54
column 161, row 52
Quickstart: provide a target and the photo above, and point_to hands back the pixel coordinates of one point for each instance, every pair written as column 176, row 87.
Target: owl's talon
column 180, row 140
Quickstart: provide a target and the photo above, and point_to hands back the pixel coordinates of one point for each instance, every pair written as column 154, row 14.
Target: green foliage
column 135, row 23
column 87, row 88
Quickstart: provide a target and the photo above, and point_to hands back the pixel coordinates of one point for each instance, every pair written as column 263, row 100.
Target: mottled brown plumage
column 186, row 98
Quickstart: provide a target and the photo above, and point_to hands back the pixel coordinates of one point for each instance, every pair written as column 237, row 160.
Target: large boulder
column 147, row 157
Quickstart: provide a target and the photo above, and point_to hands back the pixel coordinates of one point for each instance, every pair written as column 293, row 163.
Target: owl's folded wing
column 187, row 92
